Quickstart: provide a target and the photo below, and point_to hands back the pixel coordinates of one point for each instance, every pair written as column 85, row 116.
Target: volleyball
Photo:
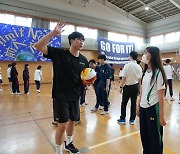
column 88, row 75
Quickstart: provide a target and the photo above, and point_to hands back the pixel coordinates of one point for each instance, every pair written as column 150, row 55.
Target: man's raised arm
column 41, row 45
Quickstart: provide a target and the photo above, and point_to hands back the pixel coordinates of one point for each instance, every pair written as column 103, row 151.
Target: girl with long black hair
column 150, row 107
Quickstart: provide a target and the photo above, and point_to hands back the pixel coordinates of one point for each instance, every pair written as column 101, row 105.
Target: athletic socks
column 68, row 140
column 59, row 149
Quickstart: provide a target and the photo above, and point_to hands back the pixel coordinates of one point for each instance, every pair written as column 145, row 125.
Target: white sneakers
column 104, row 112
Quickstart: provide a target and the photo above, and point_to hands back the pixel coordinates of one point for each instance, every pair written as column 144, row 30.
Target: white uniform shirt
column 120, row 73
column 37, row 75
column 169, row 71
column 9, row 72
column 0, row 76
column 132, row 71
column 153, row 98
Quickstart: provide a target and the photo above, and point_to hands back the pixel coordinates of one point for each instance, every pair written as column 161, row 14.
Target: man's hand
column 121, row 90
column 59, row 27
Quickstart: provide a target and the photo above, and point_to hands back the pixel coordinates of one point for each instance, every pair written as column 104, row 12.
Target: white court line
column 119, row 138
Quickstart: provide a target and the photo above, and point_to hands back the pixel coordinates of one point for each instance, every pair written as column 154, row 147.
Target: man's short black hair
column 92, row 61
column 168, row 60
column 111, row 65
column 75, row 35
column 102, row 56
column 138, row 61
column 134, row 55
column 13, row 64
column 9, row 65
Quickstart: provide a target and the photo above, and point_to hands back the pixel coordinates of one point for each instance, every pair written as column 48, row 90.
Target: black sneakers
column 70, row 147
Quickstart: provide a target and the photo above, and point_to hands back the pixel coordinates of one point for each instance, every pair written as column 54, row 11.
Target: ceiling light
column 146, row 8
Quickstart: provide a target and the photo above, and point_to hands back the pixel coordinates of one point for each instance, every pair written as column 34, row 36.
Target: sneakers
column 77, row 122
column 121, row 121
column 18, row 93
column 94, row 110
column 55, row 123
column 131, row 122
column 82, row 105
column 38, row 91
column 172, row 99
column 101, row 107
column 70, row 148
column 104, row 112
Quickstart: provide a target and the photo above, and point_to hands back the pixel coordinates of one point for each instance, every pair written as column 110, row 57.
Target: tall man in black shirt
column 67, row 67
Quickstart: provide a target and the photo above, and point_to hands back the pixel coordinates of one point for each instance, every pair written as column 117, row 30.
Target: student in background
column 9, row 77
column 26, row 78
column 178, row 73
column 169, row 71
column 1, row 81
column 14, row 78
column 99, row 105
column 129, row 84
column 112, row 76
column 120, row 75
column 38, row 78
column 104, row 83
column 150, row 105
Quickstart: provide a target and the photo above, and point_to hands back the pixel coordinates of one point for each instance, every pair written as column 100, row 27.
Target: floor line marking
column 119, row 138
column 43, row 132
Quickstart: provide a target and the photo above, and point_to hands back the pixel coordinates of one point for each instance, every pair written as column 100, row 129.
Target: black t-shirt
column 67, row 69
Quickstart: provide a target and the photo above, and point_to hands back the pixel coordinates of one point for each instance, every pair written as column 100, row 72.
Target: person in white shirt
column 38, row 78
column 9, row 76
column 169, row 71
column 178, row 73
column 1, row 81
column 132, row 73
column 120, row 74
column 150, row 105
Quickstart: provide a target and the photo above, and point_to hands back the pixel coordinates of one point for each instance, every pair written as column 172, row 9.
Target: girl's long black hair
column 156, row 63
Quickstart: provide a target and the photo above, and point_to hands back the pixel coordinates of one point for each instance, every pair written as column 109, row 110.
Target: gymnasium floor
column 25, row 125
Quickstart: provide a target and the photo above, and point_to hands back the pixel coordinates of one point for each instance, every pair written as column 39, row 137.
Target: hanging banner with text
column 116, row 52
column 16, row 43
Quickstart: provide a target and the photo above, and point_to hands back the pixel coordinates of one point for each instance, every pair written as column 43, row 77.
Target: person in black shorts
column 67, row 67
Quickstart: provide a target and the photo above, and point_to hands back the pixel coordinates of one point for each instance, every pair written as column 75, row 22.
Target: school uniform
column 1, row 78
column 9, row 74
column 15, row 82
column 37, row 78
column 150, row 129
column 104, row 74
column 26, row 80
column 133, row 72
column 169, row 75
column 95, row 85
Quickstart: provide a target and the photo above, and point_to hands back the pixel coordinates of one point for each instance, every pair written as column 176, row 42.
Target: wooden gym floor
column 25, row 125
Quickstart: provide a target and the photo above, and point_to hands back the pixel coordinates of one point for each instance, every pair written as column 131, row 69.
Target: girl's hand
column 162, row 121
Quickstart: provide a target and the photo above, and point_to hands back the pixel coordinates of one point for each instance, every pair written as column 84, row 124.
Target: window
column 68, row 29
column 137, row 40
column 171, row 37
column 157, row 39
column 88, row 32
column 117, row 37
column 177, row 36
column 15, row 20
column 22, row 21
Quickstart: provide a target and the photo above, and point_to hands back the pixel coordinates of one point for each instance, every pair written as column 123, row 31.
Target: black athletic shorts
column 9, row 79
column 66, row 109
column 1, row 81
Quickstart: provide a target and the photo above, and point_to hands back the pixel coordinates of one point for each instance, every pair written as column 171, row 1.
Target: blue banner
column 116, row 52
column 16, row 43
